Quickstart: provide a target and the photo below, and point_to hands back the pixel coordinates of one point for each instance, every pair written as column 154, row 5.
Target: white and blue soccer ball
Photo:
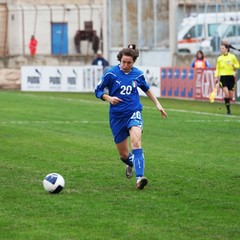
column 53, row 183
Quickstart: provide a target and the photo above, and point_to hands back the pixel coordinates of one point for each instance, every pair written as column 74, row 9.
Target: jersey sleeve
column 142, row 83
column 102, row 84
column 193, row 64
column 208, row 65
column 235, row 62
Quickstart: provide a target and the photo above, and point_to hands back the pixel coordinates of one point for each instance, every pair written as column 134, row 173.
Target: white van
column 197, row 28
column 229, row 32
column 232, row 34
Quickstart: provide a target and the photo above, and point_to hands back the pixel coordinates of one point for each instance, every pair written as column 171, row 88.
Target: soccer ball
column 53, row 183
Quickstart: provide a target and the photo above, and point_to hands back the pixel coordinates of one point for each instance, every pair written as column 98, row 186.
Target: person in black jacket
column 100, row 60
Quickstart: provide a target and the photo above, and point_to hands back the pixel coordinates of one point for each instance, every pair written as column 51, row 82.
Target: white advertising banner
column 60, row 79
column 152, row 76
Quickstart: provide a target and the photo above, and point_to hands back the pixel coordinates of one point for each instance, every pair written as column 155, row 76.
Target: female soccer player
column 126, row 110
column 226, row 66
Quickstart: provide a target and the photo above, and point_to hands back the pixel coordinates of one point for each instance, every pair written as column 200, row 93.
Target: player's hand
column 115, row 100
column 161, row 109
column 164, row 114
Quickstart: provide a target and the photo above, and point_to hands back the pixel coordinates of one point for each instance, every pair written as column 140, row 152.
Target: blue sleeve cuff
column 99, row 94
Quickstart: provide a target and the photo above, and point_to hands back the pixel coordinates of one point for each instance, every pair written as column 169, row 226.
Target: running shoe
column 141, row 183
column 129, row 172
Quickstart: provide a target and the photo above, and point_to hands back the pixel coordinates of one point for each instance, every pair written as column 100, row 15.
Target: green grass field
column 192, row 163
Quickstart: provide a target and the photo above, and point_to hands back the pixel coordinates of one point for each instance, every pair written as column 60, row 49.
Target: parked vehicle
column 228, row 31
column 195, row 29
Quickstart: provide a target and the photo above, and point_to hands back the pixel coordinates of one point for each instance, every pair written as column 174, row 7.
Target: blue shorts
column 120, row 126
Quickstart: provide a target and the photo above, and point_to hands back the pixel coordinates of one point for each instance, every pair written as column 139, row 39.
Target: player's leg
column 126, row 157
column 135, row 127
column 121, row 134
column 139, row 161
column 231, row 88
column 227, row 83
column 135, row 135
column 231, row 94
column 226, row 99
column 224, row 81
column 123, row 151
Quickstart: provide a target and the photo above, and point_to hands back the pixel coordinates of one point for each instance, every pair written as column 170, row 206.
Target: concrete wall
column 10, row 78
column 27, row 20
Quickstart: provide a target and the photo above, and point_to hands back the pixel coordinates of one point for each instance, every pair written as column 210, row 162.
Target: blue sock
column 138, row 162
column 129, row 160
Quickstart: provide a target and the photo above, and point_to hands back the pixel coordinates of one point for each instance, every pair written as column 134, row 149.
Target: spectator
column 200, row 61
column 33, row 45
column 100, row 60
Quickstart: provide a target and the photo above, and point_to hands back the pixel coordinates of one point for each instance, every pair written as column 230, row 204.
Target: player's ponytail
column 131, row 51
column 228, row 46
column 133, row 46
column 232, row 47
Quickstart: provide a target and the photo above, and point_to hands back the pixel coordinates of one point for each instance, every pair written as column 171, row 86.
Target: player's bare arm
column 153, row 98
column 113, row 100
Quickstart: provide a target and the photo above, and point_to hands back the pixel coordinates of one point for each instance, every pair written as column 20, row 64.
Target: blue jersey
column 124, row 86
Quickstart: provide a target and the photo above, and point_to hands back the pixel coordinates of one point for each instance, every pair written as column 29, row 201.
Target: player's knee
column 136, row 144
column 124, row 156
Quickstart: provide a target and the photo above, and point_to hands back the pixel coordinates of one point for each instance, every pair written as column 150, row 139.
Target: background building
column 53, row 24
column 151, row 24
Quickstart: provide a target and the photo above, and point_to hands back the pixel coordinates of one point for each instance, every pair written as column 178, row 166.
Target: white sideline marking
column 204, row 113
column 213, row 121
column 147, row 107
column 106, row 122
column 52, row 122
column 236, row 118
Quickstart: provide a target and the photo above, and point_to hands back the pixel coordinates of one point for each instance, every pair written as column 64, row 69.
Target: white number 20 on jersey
column 126, row 90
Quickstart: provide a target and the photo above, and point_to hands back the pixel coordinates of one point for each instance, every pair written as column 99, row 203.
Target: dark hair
column 227, row 46
column 200, row 51
column 130, row 51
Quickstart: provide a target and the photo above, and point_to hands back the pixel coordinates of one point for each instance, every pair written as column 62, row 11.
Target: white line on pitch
column 51, row 122
column 147, row 107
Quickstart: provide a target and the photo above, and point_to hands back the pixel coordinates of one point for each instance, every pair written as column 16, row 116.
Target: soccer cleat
column 141, row 183
column 229, row 112
column 129, row 172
